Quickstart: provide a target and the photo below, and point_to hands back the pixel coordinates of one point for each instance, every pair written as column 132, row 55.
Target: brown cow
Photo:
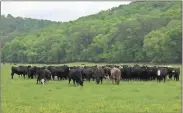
column 115, row 75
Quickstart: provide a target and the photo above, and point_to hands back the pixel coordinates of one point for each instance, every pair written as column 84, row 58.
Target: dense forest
column 137, row 32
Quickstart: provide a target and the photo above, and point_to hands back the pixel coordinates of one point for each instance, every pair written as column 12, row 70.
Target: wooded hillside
column 12, row 27
column 137, row 32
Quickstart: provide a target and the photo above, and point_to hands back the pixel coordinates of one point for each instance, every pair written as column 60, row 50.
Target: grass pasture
column 25, row 96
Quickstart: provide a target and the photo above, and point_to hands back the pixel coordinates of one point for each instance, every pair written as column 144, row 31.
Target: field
column 25, row 96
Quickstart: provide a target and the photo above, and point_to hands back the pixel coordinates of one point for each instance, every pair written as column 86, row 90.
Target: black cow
column 162, row 73
column 76, row 75
column 145, row 75
column 61, row 72
column 170, row 72
column 43, row 75
column 88, row 73
column 135, row 72
column 32, row 72
column 176, row 73
column 127, row 73
column 20, row 70
column 99, row 75
column 153, row 73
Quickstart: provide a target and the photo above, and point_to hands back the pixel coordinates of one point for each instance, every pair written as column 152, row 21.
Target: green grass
column 25, row 96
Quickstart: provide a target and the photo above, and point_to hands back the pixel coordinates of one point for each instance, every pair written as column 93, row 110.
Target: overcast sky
column 56, row 10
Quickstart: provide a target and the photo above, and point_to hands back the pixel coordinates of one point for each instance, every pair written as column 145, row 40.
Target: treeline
column 137, row 32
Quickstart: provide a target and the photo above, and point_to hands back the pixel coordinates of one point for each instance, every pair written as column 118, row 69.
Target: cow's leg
column 112, row 81
column 53, row 77
column 177, row 77
column 101, row 80
column 129, row 78
column 164, row 78
column 74, row 82
column 24, row 76
column 37, row 80
column 154, row 77
column 174, row 77
column 78, row 82
column 117, row 81
column 65, row 78
column 46, row 80
column 93, row 78
column 107, row 76
column 32, row 76
column 161, row 78
column 69, row 80
column 12, row 74
column 170, row 76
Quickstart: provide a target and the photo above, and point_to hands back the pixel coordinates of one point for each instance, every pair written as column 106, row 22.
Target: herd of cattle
column 79, row 74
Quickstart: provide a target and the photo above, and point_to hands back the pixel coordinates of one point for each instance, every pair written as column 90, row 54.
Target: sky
column 56, row 10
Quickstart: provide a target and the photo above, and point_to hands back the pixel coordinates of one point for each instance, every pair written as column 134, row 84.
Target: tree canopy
column 137, row 32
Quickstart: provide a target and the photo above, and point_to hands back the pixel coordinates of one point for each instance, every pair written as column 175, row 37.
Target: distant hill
column 137, row 32
column 17, row 26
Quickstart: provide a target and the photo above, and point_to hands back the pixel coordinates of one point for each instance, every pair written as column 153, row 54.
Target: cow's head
column 97, row 80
